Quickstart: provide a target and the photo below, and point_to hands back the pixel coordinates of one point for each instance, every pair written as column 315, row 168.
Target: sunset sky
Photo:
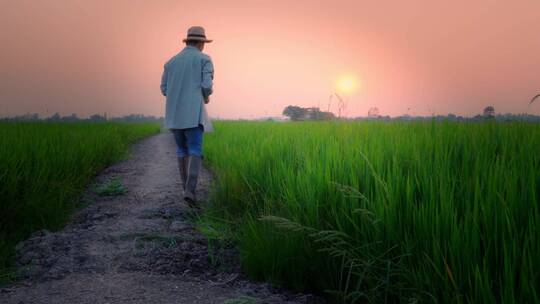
column 85, row 57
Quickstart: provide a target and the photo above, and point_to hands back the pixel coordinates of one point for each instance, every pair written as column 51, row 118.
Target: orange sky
column 430, row 56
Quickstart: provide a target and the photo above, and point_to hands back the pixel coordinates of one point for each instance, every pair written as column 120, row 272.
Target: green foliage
column 242, row 300
column 294, row 112
column 384, row 212
column 219, row 235
column 112, row 187
column 45, row 166
column 299, row 113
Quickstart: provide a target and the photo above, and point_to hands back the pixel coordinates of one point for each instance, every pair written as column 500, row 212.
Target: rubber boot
column 183, row 167
column 192, row 178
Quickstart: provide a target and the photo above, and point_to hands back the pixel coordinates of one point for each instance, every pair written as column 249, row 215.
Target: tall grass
column 385, row 212
column 44, row 167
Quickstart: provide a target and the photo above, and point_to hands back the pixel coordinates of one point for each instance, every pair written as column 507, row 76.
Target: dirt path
column 139, row 247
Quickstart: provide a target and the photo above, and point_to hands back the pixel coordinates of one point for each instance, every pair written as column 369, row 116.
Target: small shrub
column 112, row 187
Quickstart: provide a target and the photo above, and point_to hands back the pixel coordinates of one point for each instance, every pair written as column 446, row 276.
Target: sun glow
column 346, row 84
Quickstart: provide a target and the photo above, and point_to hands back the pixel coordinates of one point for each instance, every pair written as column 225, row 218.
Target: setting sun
column 347, row 84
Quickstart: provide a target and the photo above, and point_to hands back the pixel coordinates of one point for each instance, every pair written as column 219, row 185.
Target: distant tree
column 316, row 114
column 489, row 112
column 55, row 117
column 71, row 118
column 326, row 116
column 135, row 118
column 373, row 112
column 477, row 118
column 342, row 104
column 295, row 113
column 97, row 118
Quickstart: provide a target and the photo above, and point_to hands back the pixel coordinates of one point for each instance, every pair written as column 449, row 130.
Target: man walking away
column 187, row 84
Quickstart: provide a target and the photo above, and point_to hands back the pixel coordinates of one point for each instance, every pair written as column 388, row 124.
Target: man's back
column 186, row 82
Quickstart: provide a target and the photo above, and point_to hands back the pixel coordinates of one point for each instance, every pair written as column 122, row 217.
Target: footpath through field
column 140, row 247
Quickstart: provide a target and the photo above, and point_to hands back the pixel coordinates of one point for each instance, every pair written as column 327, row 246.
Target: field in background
column 45, row 166
column 383, row 212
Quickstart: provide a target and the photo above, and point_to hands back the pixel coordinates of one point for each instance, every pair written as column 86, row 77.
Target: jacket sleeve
column 164, row 81
column 207, row 78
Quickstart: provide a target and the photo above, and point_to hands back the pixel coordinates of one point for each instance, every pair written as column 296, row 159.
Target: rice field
column 398, row 212
column 44, row 167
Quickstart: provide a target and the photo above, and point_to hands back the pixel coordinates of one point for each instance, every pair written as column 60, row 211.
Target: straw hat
column 196, row 33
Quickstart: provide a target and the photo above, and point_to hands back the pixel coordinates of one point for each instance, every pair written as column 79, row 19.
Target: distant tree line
column 299, row 113
column 293, row 113
column 452, row 117
column 95, row 118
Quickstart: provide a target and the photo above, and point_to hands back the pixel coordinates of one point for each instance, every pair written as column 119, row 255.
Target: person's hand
column 206, row 100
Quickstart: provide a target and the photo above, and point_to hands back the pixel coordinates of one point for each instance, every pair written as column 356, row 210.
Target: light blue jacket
column 187, row 79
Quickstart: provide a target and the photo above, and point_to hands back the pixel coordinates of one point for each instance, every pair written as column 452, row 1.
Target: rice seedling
column 384, row 212
column 45, row 166
column 112, row 187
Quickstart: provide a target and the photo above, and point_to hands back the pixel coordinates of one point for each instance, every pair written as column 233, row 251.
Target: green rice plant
column 44, row 167
column 384, row 211
column 112, row 187
column 242, row 300
column 219, row 235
